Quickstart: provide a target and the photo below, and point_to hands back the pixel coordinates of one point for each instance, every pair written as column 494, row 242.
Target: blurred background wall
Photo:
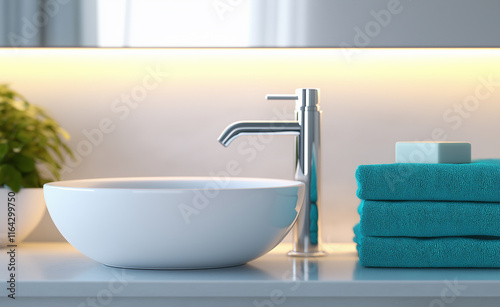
column 158, row 112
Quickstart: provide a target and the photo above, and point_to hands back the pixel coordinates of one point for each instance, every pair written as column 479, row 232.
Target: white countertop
column 55, row 274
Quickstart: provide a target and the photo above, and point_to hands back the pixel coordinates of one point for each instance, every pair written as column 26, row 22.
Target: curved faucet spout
column 307, row 150
column 258, row 127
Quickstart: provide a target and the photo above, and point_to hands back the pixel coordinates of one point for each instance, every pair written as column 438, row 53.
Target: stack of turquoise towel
column 429, row 215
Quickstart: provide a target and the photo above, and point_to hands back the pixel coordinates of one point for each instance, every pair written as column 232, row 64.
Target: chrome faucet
column 307, row 231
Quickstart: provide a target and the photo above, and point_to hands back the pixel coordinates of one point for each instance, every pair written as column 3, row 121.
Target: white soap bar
column 433, row 152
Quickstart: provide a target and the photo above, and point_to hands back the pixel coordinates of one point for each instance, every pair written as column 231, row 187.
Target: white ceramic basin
column 174, row 223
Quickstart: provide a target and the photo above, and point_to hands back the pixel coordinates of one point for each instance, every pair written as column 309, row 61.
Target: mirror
column 249, row 23
column 124, row 23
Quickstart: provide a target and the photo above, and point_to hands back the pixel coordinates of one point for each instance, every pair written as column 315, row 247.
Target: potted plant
column 31, row 153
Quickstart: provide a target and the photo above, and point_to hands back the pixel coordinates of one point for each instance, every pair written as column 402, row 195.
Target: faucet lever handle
column 282, row 97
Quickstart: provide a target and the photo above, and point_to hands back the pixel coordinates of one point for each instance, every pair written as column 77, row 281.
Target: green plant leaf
column 16, row 146
column 23, row 163
column 11, row 177
column 4, row 149
column 29, row 137
column 25, row 137
column 56, row 150
column 31, row 180
column 64, row 133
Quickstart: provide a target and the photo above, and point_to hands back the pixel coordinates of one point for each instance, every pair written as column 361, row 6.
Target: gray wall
column 370, row 100
column 57, row 23
column 271, row 23
column 376, row 23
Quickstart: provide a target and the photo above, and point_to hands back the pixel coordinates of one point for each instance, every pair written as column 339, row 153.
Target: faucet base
column 307, row 254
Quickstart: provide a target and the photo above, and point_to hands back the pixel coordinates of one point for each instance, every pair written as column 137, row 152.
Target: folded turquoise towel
column 428, row 252
column 476, row 181
column 428, row 219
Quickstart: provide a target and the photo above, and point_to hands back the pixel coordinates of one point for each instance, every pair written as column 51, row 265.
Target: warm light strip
column 280, row 65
